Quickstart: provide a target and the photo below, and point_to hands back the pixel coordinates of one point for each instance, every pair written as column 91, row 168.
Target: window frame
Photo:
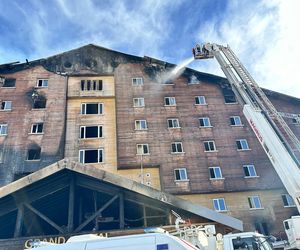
column 214, row 172
column 138, row 125
column 173, row 121
column 171, row 103
column 181, row 172
column 143, row 145
column 289, row 200
column 83, row 106
column 252, row 203
column 176, row 147
column 248, row 166
column 234, row 118
column 99, row 132
column 198, row 100
column 205, row 118
column 39, row 154
column 3, row 125
column 94, row 85
column 216, row 201
column 138, row 101
column 82, row 156
column 5, row 104
column 43, row 80
column 37, row 124
column 214, row 145
column 137, row 81
column 242, row 142
column 14, row 80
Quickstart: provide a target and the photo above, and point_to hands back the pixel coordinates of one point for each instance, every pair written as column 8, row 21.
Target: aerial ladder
column 277, row 139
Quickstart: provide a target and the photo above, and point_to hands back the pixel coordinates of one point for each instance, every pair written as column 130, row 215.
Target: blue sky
column 263, row 33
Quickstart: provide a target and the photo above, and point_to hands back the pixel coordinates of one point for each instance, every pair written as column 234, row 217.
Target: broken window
column 229, row 96
column 6, row 105
column 9, row 83
column 91, row 108
column 180, row 174
column 91, row 132
column 42, row 83
column 34, row 154
column 3, row 129
column 91, row 85
column 170, row 101
column 37, row 128
column 39, row 103
column 91, row 155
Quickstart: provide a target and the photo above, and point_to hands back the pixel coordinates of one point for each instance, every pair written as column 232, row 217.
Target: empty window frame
column 3, row 129
column 180, row 174
column 42, row 83
column 6, row 105
column 204, row 122
column 249, row 171
column 34, row 154
column 138, row 102
column 9, row 83
column 142, row 149
column 219, row 204
column 140, row 125
column 242, row 144
column 287, row 200
column 209, row 146
column 91, row 132
column 215, row 173
column 91, row 85
column 170, row 101
column 37, row 128
column 235, row 121
column 39, row 103
column 137, row 81
column 200, row 100
column 91, row 155
column 254, row 202
column 91, row 108
column 173, row 123
column 229, row 96
column 176, row 148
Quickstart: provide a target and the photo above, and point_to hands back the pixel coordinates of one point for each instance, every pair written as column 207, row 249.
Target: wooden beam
column 19, row 221
column 121, row 211
column 44, row 217
column 143, row 204
column 71, row 204
column 82, row 225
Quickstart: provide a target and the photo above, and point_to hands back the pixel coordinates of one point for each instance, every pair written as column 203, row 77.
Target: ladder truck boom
column 276, row 138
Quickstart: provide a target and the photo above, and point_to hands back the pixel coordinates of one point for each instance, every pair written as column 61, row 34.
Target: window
column 170, row 101
column 42, row 83
column 209, row 146
column 288, row 200
column 91, row 155
column 138, row 102
column 296, row 120
column 180, row 174
column 249, row 171
column 173, row 123
column 91, row 132
column 204, row 122
column 235, row 121
column 91, row 85
column 37, row 128
column 176, row 147
column 142, row 149
column 242, row 144
column 9, row 83
column 34, row 154
column 138, row 81
column 215, row 173
column 141, row 125
column 6, row 105
column 200, row 100
column 219, row 204
column 39, row 103
column 91, row 108
column 229, row 96
column 3, row 129
column 254, row 202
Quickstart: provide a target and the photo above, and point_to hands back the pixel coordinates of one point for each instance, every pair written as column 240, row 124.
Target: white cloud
column 265, row 37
